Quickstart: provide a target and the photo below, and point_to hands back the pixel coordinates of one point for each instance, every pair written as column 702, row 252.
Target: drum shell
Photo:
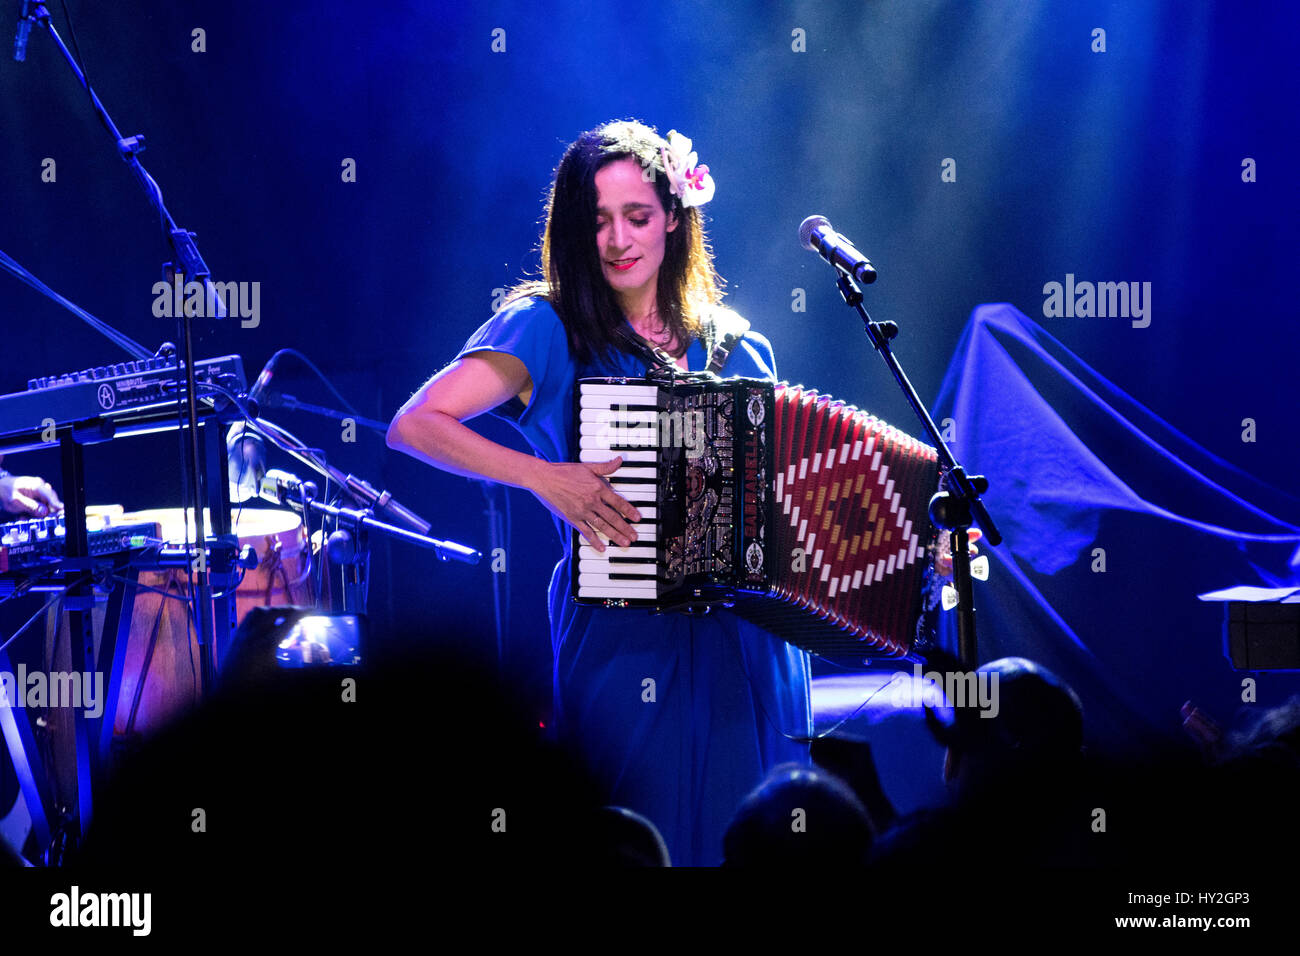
column 163, row 646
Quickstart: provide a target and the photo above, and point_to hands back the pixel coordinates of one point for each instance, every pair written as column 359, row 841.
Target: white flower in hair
column 688, row 181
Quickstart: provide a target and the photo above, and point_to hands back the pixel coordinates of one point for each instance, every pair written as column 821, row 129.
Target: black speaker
column 1262, row 635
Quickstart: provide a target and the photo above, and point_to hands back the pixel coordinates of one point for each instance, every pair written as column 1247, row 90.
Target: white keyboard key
column 643, row 569
column 648, row 586
column 602, row 391
column 602, row 455
column 618, row 416
column 634, row 493
column 639, row 553
column 630, row 473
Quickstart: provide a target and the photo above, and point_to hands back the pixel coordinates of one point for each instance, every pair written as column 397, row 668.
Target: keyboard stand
column 26, row 758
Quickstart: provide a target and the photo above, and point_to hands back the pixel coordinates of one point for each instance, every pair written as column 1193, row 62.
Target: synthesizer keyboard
column 36, row 542
column 138, row 393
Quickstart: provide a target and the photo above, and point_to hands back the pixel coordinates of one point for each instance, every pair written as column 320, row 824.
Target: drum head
column 248, row 522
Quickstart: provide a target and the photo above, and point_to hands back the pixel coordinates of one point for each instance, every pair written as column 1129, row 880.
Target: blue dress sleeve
column 532, row 332
column 759, row 350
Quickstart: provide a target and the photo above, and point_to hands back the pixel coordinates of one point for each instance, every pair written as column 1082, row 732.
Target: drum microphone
column 246, row 451
column 277, row 485
column 280, row 487
column 263, row 379
column 245, row 462
column 817, row 235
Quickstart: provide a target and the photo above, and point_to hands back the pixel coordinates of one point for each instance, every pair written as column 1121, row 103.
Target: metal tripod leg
column 29, row 767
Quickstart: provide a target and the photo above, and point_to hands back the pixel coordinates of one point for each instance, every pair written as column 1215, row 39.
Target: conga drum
column 160, row 676
column 160, row 673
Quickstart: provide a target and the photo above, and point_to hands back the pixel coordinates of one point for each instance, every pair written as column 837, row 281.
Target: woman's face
column 631, row 227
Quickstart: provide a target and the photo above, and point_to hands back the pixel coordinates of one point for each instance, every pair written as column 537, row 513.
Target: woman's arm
column 429, row 427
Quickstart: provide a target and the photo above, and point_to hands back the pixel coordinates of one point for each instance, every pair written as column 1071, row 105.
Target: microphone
column 24, row 29
column 276, row 485
column 817, row 235
column 246, row 451
column 245, row 462
column 263, row 380
column 386, row 504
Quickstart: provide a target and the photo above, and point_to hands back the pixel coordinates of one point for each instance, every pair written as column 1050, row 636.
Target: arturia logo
column 74, row 908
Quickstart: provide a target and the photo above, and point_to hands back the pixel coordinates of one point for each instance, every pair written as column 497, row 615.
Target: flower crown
column 688, row 181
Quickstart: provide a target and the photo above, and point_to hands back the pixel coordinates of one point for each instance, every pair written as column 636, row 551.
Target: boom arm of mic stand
column 363, row 519
column 357, row 488
column 291, row 446
column 361, row 491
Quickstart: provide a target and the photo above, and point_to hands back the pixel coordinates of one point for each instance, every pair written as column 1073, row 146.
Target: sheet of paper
column 1243, row 593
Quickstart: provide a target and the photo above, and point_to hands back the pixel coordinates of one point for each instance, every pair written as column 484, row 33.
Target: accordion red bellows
column 851, row 494
column 806, row 515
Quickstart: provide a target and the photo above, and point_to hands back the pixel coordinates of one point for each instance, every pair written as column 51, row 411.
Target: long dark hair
column 572, row 279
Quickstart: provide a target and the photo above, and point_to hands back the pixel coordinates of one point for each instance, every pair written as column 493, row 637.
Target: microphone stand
column 349, row 544
column 351, row 548
column 187, row 262
column 496, row 540
column 361, row 490
column 953, row 509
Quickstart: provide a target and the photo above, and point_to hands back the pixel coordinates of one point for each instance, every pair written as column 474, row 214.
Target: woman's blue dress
column 727, row 699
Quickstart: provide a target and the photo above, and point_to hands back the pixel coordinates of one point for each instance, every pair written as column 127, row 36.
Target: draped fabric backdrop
column 1114, row 522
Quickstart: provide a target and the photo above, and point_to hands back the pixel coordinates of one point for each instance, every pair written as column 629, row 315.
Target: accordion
column 805, row 515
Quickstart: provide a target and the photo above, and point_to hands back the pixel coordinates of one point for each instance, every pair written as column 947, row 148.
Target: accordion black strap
column 722, row 335
column 721, row 331
column 655, row 358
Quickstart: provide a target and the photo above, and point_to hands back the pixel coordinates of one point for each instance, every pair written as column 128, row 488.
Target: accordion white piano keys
column 603, row 415
column 608, row 431
column 599, row 455
column 616, row 393
column 639, row 553
column 589, row 584
column 635, row 493
column 631, row 473
column 614, row 566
